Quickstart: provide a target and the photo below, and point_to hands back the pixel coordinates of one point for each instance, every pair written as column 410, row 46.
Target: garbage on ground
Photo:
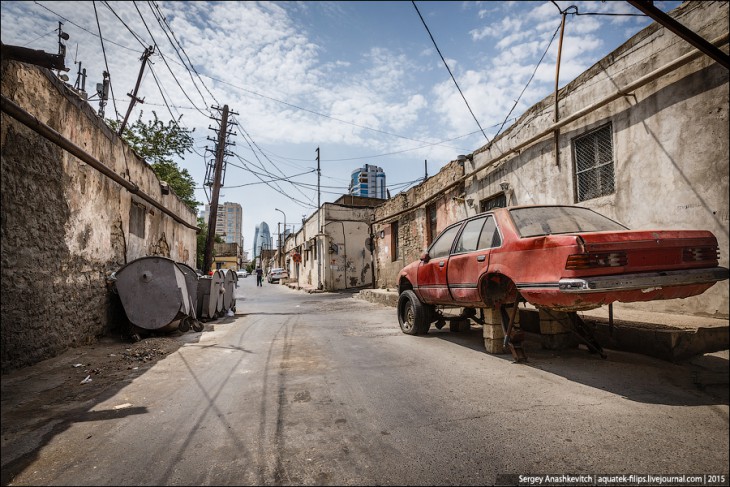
column 77, row 365
column 86, row 380
column 123, row 406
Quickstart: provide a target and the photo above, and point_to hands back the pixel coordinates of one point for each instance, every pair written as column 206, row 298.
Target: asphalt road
column 324, row 389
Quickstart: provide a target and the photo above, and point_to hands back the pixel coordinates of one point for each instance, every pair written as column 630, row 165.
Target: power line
column 82, row 28
column 267, row 157
column 528, row 82
column 319, row 114
column 279, row 190
column 186, row 54
column 134, row 34
column 449, row 70
column 174, row 48
column 165, row 61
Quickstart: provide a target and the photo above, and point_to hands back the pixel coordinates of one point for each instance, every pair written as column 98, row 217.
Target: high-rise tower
column 368, row 181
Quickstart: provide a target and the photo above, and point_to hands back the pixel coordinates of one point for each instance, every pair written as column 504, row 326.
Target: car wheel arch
column 496, row 288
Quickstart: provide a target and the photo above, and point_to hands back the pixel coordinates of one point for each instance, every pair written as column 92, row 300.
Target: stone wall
column 66, row 227
column 408, row 210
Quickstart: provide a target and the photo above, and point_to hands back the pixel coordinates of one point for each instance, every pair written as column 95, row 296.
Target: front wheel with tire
column 412, row 314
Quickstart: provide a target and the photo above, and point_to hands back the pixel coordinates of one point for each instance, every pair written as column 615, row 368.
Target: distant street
column 324, row 389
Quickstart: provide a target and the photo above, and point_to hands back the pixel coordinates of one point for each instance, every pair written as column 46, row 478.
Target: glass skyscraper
column 261, row 239
column 368, row 181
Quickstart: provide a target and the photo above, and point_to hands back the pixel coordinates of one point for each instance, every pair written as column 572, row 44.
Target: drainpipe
column 557, row 79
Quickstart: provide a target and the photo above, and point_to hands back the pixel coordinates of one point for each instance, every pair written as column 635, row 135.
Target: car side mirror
column 425, row 257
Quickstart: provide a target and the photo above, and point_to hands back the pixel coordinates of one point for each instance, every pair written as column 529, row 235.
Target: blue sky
column 361, row 80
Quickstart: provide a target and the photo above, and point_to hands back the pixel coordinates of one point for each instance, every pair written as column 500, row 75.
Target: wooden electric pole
column 219, row 155
column 147, row 53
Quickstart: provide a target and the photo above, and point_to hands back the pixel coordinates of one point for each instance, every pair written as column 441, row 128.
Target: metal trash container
column 219, row 282
column 206, row 299
column 191, row 280
column 154, row 293
column 230, row 284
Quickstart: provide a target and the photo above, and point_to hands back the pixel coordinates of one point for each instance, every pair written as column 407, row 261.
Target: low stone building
column 338, row 257
column 66, row 226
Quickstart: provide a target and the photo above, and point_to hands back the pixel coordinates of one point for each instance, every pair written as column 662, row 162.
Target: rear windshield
column 551, row 220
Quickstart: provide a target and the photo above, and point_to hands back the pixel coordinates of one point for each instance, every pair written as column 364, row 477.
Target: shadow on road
column 700, row 381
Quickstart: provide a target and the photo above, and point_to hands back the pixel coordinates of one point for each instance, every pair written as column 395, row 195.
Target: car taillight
column 594, row 260
column 695, row 254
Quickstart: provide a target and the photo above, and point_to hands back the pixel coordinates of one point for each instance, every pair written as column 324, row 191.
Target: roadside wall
column 348, row 263
column 406, row 212
column 66, row 227
column 337, row 259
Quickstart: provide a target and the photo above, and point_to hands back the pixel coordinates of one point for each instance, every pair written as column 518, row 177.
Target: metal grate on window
column 499, row 201
column 594, row 171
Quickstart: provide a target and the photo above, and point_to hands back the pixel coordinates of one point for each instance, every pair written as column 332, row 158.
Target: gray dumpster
column 191, row 280
column 219, row 283
column 154, row 293
column 229, row 295
column 206, row 304
column 210, row 296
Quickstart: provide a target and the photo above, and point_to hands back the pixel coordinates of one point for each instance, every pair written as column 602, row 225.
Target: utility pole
column 147, row 53
column 425, row 169
column 62, row 36
column 220, row 154
column 319, row 224
column 102, row 89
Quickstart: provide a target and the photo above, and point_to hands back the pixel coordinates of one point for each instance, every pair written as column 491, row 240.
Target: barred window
column 593, row 155
column 499, row 201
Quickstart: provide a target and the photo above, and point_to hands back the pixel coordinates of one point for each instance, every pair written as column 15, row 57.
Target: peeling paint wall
column 66, row 227
column 413, row 225
column 342, row 260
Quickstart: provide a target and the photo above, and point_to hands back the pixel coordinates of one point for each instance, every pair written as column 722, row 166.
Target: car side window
column 490, row 236
column 469, row 237
column 442, row 246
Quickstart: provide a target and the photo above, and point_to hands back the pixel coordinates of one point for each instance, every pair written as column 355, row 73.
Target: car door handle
column 442, row 263
column 480, row 258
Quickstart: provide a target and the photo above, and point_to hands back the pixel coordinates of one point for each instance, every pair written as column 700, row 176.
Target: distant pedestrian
column 259, row 277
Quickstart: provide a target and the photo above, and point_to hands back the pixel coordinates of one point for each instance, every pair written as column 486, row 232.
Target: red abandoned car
column 563, row 258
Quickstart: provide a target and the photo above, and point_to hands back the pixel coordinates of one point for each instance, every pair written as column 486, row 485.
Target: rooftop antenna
column 62, row 36
column 80, row 84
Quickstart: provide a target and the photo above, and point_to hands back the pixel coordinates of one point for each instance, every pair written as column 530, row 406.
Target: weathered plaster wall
column 349, row 266
column 413, row 225
column 670, row 144
column 65, row 226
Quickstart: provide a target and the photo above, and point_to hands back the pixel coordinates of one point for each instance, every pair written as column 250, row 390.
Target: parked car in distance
column 242, row 273
column 562, row 258
column 276, row 274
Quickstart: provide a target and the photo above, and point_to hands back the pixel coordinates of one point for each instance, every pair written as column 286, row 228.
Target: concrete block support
column 492, row 316
column 555, row 331
column 554, row 322
column 494, row 338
